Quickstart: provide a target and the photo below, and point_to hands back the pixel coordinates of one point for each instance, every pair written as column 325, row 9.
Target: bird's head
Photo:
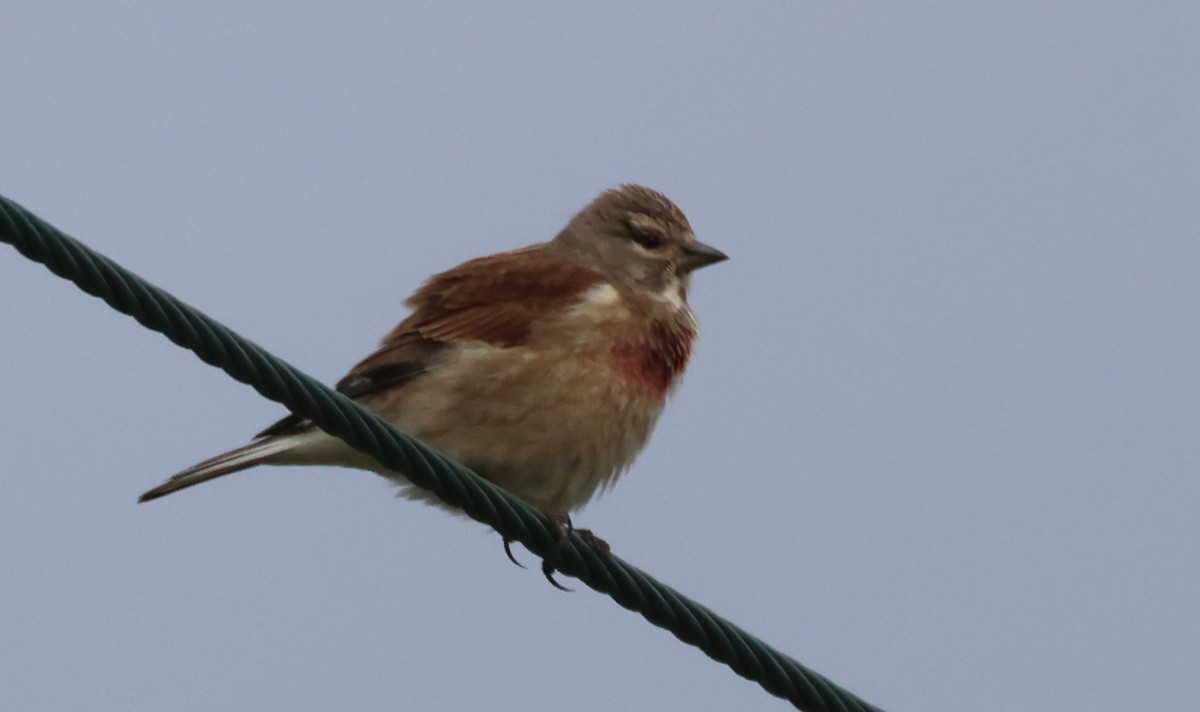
column 638, row 240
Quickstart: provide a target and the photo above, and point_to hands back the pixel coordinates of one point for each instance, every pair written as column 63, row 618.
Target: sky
column 938, row 440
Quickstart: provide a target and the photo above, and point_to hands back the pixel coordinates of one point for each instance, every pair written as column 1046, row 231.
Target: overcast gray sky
column 938, row 440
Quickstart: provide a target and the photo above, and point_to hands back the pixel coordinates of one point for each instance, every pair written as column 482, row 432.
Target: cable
column 451, row 482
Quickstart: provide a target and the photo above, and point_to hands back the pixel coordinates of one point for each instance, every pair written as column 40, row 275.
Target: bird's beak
column 697, row 255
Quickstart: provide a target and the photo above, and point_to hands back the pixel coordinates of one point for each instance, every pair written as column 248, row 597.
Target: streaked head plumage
column 637, row 238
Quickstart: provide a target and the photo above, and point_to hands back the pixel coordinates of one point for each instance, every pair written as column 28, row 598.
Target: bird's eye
column 645, row 232
column 649, row 240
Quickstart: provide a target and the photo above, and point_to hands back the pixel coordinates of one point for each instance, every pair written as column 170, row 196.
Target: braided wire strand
column 451, row 482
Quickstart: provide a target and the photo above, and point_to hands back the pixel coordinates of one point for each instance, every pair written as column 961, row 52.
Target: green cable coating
column 454, row 484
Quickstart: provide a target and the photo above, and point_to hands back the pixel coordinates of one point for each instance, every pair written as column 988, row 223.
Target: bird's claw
column 548, row 571
column 508, row 552
column 562, row 530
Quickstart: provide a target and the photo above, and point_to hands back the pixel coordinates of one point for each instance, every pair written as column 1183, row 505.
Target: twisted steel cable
column 451, row 482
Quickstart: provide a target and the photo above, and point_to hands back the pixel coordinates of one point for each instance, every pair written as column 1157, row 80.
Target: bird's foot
column 563, row 528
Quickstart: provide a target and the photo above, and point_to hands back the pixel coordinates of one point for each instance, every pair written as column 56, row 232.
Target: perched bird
column 544, row 369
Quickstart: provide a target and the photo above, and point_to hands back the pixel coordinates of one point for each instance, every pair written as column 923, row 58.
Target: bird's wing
column 493, row 300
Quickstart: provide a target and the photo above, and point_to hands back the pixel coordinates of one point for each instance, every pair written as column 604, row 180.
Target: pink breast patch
column 655, row 362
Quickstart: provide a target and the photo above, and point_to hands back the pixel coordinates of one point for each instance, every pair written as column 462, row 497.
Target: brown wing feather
column 493, row 300
column 393, row 367
column 496, row 299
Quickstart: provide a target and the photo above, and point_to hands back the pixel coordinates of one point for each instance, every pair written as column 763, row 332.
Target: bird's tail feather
column 256, row 453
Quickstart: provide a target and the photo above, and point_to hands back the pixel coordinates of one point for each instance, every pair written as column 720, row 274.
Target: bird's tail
column 258, row 452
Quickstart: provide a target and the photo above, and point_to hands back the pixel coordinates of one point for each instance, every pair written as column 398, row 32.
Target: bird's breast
column 653, row 363
column 560, row 416
column 646, row 350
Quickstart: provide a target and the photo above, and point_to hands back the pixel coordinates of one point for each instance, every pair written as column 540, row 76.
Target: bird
column 543, row 369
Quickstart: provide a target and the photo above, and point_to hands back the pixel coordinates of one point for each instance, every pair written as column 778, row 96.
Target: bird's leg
column 586, row 534
column 563, row 529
